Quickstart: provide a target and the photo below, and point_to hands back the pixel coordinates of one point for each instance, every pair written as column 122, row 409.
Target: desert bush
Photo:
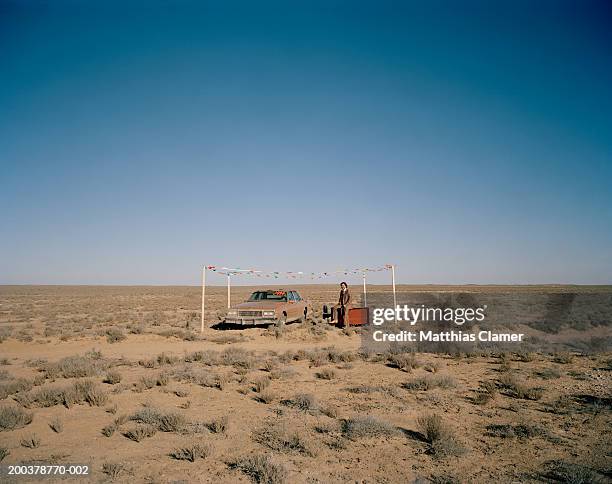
column 4, row 452
column 439, row 435
column 429, row 382
column 162, row 379
column 327, row 374
column 85, row 391
column 266, row 396
column 140, row 432
column 14, row 385
column 31, row 441
column 112, row 377
column 191, row 452
column 12, row 418
column 368, row 426
column 164, row 359
column 521, row 431
column 570, row 473
column 113, row 470
column 304, row 402
column 237, row 357
column 145, row 383
column 114, row 335
column 219, row 425
column 563, row 357
column 562, row 404
column 519, row 390
column 279, row 437
column 432, row 367
column 109, row 430
column 330, row 411
column 525, row 356
column 548, row 373
column 75, row 367
column 403, row 361
column 262, row 469
column 57, row 425
column 162, row 421
column 147, row 363
column 181, row 392
column 261, row 384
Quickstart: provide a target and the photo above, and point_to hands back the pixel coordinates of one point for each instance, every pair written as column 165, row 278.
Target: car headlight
column 268, row 313
column 232, row 312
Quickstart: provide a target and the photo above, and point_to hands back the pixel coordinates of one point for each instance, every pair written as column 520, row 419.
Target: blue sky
column 465, row 142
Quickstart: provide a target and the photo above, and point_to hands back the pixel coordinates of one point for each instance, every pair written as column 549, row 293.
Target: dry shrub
column 162, row 379
column 279, row 437
column 191, row 452
column 31, row 441
column 262, row 469
column 219, row 425
column 304, row 402
column 327, row 374
column 404, row 361
column 561, row 471
column 13, row 386
column 140, row 432
column 75, row 367
column 519, row 390
column 114, row 335
column 4, row 452
column 57, row 425
column 563, row 357
column 562, row 405
column 145, row 383
column 267, row 396
column 521, row 431
column 12, row 417
column 365, row 427
column 439, row 435
column 548, row 373
column 112, row 377
column 84, row 391
column 261, row 384
column 109, row 430
column 237, row 357
column 525, row 356
column 432, row 367
column 162, row 421
column 164, row 359
column 430, row 382
column 113, row 470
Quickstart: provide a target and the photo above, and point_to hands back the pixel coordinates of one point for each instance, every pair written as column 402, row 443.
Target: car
column 269, row 307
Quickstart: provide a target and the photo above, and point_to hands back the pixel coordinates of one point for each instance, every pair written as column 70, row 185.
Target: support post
column 229, row 303
column 203, row 297
column 365, row 291
column 394, row 298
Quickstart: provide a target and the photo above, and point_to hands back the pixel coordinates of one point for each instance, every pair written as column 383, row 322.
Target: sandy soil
column 297, row 397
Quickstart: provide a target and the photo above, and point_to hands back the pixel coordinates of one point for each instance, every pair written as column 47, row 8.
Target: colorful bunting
column 228, row 271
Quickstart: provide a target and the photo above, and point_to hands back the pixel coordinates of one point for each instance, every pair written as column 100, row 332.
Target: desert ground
column 121, row 379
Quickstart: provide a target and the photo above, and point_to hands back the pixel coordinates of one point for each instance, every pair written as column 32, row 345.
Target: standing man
column 343, row 304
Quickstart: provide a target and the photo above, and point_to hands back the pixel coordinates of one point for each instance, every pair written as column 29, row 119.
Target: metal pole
column 394, row 298
column 203, row 297
column 228, row 292
column 365, row 292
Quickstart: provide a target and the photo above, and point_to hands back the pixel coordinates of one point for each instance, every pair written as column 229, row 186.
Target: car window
column 296, row 296
column 268, row 296
column 290, row 294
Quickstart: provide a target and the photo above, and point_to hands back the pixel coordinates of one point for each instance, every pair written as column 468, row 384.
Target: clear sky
column 466, row 142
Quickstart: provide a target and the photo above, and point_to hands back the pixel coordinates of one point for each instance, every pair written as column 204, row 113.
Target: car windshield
column 269, row 296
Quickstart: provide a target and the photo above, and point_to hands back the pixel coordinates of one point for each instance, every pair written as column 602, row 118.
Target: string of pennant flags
column 237, row 271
